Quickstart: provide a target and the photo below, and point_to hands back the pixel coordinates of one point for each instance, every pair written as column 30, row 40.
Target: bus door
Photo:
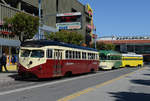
column 57, row 62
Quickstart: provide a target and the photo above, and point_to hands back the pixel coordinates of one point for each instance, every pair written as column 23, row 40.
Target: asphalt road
column 54, row 89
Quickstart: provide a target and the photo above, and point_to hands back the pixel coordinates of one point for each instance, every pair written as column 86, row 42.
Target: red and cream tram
column 47, row 59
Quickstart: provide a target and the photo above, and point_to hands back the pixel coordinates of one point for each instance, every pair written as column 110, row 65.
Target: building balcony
column 8, row 35
column 8, row 11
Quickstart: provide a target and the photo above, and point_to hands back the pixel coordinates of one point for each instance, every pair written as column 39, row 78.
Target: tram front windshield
column 32, row 53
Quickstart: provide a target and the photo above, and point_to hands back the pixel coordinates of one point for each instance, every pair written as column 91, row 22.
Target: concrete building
column 136, row 44
column 50, row 10
column 53, row 8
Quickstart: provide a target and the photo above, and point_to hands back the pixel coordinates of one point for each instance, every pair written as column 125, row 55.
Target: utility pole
column 39, row 37
column 95, row 37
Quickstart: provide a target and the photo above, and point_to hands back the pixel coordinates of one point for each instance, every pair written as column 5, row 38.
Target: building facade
column 136, row 44
column 50, row 9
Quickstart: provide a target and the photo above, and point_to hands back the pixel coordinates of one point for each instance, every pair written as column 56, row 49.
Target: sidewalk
column 130, row 87
column 6, row 78
column 10, row 67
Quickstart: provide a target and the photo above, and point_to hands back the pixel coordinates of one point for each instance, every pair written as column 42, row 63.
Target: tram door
column 58, row 62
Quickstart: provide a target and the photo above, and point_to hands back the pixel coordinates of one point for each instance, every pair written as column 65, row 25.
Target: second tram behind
column 109, row 60
column 132, row 60
column 47, row 59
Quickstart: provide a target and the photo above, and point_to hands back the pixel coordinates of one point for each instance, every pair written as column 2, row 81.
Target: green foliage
column 70, row 37
column 103, row 46
column 23, row 25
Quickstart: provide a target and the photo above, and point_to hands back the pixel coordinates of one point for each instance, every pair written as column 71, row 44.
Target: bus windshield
column 37, row 54
column 34, row 53
column 103, row 56
column 25, row 53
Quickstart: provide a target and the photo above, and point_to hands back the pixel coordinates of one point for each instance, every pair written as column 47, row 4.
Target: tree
column 110, row 47
column 23, row 25
column 70, row 37
column 104, row 46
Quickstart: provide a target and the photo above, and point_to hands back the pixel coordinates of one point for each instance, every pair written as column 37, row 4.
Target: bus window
column 70, row 54
column 37, row 54
column 67, row 54
column 78, row 55
column 73, row 54
column 49, row 53
column 83, row 55
column 103, row 56
column 25, row 53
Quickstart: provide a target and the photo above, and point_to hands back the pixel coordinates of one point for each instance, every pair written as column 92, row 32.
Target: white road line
column 51, row 83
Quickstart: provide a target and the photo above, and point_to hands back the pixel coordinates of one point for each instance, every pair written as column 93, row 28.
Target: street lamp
column 39, row 20
column 95, row 37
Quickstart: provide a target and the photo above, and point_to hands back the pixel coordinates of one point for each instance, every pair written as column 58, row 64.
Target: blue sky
column 121, row 17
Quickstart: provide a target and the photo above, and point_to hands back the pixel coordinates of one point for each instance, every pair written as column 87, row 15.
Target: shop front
column 10, row 48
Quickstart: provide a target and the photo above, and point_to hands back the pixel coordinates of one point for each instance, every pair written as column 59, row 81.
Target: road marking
column 52, row 83
column 77, row 94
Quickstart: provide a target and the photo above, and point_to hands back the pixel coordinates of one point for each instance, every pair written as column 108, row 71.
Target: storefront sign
column 5, row 32
column 69, row 14
column 72, row 25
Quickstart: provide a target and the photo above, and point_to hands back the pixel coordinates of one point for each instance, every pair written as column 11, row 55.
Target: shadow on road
column 129, row 96
column 146, row 74
column 141, row 82
column 34, row 79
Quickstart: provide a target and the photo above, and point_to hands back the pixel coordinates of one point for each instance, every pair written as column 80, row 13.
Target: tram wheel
column 68, row 74
column 92, row 70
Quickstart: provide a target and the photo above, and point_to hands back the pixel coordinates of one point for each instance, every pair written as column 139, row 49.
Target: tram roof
column 41, row 43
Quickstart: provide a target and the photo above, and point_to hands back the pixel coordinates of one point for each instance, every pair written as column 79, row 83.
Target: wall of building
column 52, row 7
column 49, row 10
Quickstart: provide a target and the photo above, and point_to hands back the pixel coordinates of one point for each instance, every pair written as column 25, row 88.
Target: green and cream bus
column 109, row 60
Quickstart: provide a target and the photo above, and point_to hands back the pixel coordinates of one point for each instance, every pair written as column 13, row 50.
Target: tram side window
column 96, row 56
column 49, row 53
column 83, row 55
column 67, row 54
column 70, row 54
column 73, row 54
column 78, row 55
column 89, row 56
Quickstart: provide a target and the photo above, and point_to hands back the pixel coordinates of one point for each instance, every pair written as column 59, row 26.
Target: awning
column 7, row 42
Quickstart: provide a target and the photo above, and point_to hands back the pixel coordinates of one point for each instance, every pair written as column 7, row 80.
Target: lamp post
column 39, row 20
column 95, row 37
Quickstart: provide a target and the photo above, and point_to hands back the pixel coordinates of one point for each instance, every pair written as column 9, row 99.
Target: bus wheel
column 139, row 66
column 92, row 70
column 113, row 68
column 68, row 74
column 127, row 66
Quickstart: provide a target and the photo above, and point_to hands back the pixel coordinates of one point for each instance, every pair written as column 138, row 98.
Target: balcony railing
column 7, row 11
column 10, row 37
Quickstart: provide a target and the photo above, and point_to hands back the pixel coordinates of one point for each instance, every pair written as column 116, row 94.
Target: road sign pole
column 39, row 20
